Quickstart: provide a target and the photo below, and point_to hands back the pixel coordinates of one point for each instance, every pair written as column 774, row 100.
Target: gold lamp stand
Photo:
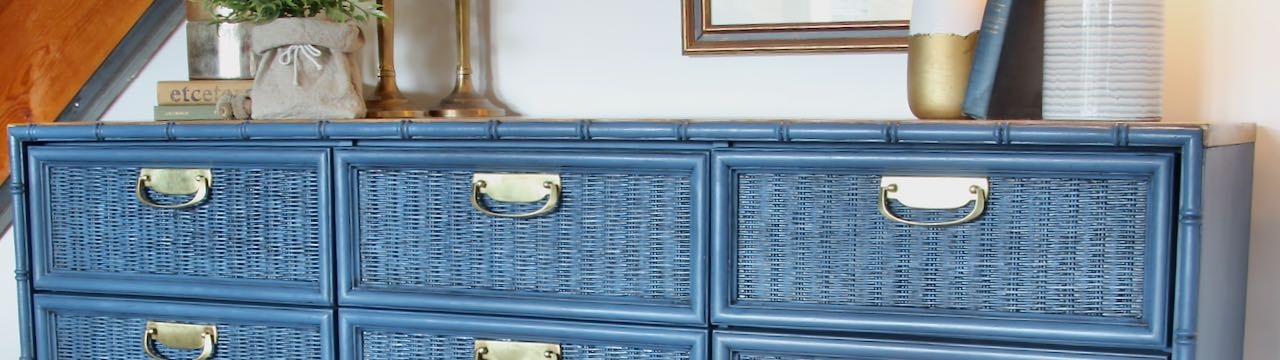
column 389, row 103
column 464, row 101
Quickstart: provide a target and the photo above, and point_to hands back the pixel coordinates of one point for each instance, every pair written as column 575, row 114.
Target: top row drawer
column 259, row 228
column 1071, row 247
column 624, row 240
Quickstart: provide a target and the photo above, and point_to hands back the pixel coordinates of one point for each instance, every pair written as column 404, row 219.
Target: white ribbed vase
column 1103, row 59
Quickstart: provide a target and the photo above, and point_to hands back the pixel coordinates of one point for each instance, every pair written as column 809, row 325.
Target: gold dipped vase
column 938, row 66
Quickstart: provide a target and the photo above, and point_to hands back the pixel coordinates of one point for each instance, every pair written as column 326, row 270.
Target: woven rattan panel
column 380, row 345
column 81, row 337
column 614, row 235
column 1045, row 245
column 259, row 224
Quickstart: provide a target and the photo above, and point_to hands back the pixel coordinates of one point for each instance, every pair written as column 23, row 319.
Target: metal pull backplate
column 926, row 192
column 514, row 350
column 176, row 181
column 194, row 182
column 934, row 193
column 516, row 188
column 179, row 336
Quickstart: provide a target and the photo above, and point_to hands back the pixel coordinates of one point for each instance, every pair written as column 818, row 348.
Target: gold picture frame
column 702, row 37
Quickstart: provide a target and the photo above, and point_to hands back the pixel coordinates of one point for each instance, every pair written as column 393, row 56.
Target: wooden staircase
column 50, row 49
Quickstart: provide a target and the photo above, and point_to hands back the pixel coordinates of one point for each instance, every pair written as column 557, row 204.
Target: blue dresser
column 522, row 239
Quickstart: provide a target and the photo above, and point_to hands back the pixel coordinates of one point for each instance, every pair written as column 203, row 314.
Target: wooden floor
column 50, row 48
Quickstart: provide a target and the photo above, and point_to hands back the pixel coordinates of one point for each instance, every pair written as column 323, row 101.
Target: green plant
column 260, row 11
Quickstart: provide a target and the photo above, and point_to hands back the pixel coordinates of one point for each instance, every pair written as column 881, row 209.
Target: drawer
column 73, row 327
column 388, row 335
column 261, row 233
column 751, row 346
column 1067, row 248
column 624, row 240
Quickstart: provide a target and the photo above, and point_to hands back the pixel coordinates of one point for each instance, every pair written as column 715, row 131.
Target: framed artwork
column 738, row 26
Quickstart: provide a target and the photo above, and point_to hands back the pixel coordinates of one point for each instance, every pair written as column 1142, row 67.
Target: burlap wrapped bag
column 307, row 70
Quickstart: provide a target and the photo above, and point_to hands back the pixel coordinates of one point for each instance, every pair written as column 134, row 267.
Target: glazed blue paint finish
column 1190, row 220
column 243, row 331
column 213, row 143
column 1062, row 135
column 354, row 323
column 417, row 295
column 728, row 345
column 727, row 131
column 132, row 131
column 951, row 133
column 1174, row 157
column 629, row 130
column 22, row 249
column 448, row 130
column 1224, row 272
column 215, row 285
column 887, row 132
column 542, row 130
column 837, row 132
column 388, row 130
column 538, row 145
column 1048, row 328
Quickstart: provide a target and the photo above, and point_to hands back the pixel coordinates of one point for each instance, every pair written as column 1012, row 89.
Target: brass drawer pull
column 934, row 193
column 512, row 350
column 174, row 182
column 516, row 188
column 180, row 336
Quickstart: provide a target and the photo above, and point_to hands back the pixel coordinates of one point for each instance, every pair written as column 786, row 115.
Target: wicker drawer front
column 756, row 346
column 385, row 335
column 262, row 233
column 1065, row 250
column 77, row 328
column 624, row 242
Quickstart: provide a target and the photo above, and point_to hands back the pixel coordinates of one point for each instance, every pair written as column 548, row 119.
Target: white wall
column 621, row 58
column 1221, row 58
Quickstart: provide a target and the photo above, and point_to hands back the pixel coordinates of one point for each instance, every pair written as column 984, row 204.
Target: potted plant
column 307, row 65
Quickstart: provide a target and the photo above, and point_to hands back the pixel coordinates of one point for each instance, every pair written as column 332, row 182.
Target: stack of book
column 195, row 99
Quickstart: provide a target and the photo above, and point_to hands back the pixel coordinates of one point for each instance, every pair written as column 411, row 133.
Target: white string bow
column 290, row 54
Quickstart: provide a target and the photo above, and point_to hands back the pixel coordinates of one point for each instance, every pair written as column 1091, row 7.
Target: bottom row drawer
column 81, row 327
column 752, row 346
column 74, row 327
column 387, row 335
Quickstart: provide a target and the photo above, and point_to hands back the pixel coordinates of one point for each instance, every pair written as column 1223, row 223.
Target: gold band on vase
column 938, row 68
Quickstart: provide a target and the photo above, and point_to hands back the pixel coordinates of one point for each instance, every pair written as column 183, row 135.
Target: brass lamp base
column 392, row 108
column 465, row 101
column 466, row 104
